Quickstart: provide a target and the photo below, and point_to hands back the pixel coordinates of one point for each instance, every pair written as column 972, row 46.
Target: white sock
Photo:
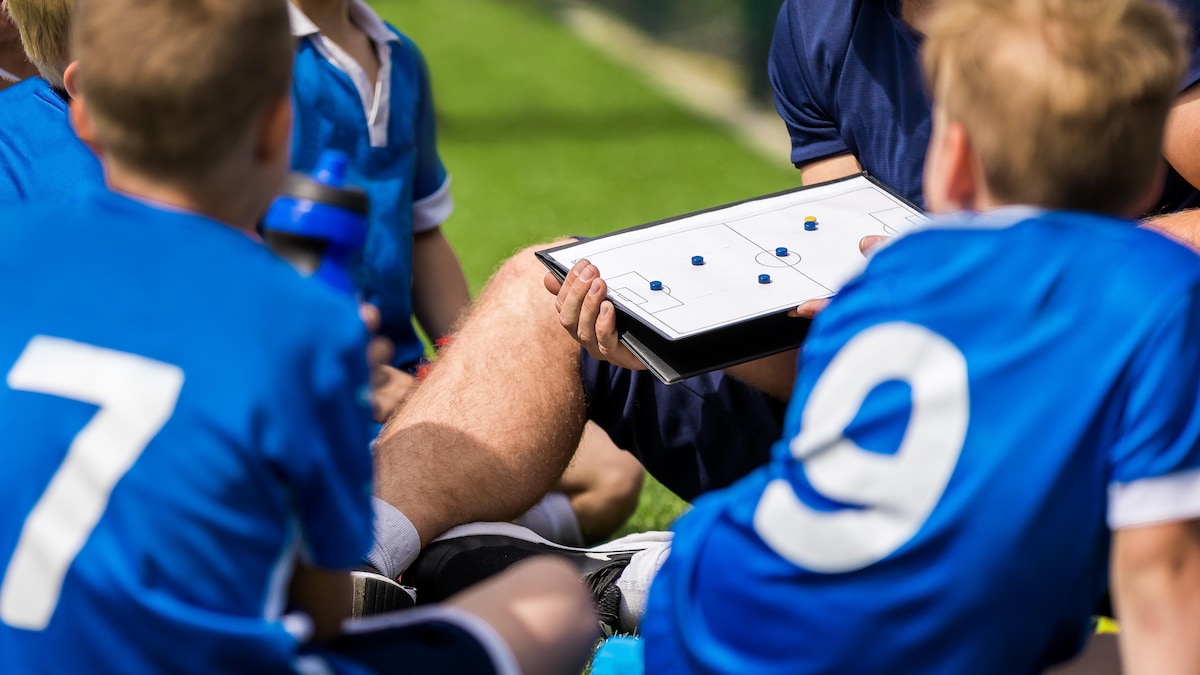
column 396, row 542
column 554, row 519
column 635, row 581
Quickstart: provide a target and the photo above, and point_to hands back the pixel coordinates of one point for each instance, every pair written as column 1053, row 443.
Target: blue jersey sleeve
column 431, row 196
column 1155, row 465
column 812, row 129
column 329, row 463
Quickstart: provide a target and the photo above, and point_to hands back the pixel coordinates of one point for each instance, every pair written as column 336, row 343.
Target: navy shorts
column 697, row 435
column 434, row 639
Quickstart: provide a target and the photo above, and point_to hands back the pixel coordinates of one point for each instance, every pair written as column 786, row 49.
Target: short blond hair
column 45, row 28
column 1063, row 100
column 173, row 85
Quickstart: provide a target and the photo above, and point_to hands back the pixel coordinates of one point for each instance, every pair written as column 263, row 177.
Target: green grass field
column 545, row 137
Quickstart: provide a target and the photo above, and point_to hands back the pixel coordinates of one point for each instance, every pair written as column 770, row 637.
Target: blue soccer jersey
column 40, row 156
column 973, row 415
column 387, row 130
column 183, row 419
column 847, row 80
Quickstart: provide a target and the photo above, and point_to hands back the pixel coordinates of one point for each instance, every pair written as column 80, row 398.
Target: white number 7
column 136, row 397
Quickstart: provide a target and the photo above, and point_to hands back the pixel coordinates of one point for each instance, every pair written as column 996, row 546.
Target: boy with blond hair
column 998, row 401
column 40, row 155
column 188, row 480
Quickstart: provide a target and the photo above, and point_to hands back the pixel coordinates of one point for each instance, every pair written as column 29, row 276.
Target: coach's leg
column 494, row 424
column 603, row 483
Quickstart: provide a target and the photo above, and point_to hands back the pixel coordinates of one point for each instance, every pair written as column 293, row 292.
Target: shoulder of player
column 819, row 27
column 406, row 55
column 1084, row 238
column 1163, row 260
column 15, row 95
column 1140, row 262
column 310, row 306
column 1158, row 253
column 27, row 117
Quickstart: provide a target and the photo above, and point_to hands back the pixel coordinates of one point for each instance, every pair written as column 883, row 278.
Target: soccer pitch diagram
column 711, row 269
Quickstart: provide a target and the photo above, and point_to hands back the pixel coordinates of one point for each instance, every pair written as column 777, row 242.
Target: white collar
column 994, row 219
column 362, row 16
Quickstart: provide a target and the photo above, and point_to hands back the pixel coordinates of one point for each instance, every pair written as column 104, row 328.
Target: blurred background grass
column 544, row 137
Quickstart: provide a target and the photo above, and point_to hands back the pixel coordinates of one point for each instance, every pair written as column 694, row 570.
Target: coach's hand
column 588, row 316
column 811, row 308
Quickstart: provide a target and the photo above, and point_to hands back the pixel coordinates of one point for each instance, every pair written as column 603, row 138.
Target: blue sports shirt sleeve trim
column 1149, row 501
column 1156, row 456
column 430, row 212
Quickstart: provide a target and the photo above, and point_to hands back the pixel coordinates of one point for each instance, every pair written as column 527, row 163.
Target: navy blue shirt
column 40, row 156
column 847, row 80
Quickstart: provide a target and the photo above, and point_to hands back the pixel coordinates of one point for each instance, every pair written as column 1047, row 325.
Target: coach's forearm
column 774, row 375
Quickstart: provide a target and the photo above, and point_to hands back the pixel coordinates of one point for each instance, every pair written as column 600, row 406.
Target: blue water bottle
column 318, row 223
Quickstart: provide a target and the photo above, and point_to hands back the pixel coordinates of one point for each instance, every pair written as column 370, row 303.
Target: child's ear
column 71, row 79
column 275, row 135
column 81, row 120
column 963, row 172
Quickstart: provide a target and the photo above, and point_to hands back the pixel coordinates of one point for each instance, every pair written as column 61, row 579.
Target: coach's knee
column 524, row 266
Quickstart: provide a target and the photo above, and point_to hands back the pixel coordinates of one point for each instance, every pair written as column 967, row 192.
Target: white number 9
column 898, row 492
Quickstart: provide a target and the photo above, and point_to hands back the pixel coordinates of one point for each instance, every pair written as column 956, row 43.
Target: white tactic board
column 737, row 244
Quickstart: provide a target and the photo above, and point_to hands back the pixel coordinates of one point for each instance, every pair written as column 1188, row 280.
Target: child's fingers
column 370, row 316
column 380, row 352
column 389, row 388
